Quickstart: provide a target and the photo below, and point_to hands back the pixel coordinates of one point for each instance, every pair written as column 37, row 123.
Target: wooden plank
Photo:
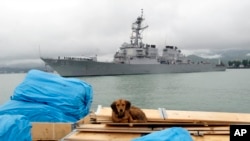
column 165, row 123
column 170, row 123
column 211, row 138
column 50, row 131
column 42, row 131
column 62, row 130
column 199, row 116
column 202, row 133
column 92, row 136
column 141, row 131
column 104, row 126
column 104, row 132
column 109, row 129
column 115, row 129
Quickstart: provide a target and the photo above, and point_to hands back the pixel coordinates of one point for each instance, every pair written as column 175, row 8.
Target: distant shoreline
column 238, row 68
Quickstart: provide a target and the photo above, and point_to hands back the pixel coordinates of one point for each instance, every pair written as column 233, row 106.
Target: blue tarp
column 35, row 112
column 43, row 97
column 73, row 97
column 171, row 134
column 14, row 128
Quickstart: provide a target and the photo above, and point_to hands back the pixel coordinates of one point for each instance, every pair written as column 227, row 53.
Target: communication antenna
column 141, row 12
column 39, row 51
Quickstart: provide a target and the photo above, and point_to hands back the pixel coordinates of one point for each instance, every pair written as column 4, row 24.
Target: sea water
column 227, row 91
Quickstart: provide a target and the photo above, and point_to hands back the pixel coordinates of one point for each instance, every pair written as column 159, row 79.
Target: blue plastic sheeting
column 15, row 128
column 172, row 134
column 35, row 112
column 72, row 96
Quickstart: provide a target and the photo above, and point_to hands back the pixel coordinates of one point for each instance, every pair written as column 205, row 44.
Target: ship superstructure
column 136, row 52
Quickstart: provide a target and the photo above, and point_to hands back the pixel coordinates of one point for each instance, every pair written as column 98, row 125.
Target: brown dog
column 122, row 111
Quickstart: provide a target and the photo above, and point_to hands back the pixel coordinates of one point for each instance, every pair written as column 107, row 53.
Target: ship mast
column 136, row 38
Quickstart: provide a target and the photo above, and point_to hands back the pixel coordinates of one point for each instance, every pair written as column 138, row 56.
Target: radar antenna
column 137, row 29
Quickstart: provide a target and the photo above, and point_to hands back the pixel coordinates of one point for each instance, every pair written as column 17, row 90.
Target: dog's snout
column 121, row 110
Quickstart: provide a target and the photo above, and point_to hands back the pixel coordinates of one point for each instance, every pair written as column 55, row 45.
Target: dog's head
column 120, row 106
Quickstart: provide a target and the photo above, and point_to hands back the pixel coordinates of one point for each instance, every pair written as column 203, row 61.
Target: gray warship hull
column 76, row 68
column 131, row 58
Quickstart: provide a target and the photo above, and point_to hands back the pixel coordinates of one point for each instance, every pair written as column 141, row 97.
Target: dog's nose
column 120, row 110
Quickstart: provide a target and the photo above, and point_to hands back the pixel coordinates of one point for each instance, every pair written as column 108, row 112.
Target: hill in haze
column 223, row 55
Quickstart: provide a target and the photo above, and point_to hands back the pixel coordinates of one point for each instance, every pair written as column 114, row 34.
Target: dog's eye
column 117, row 104
column 123, row 104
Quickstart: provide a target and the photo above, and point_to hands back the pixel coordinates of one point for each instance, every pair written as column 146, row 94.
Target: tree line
column 239, row 64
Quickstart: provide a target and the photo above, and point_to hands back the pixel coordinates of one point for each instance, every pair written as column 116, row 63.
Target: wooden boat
column 203, row 126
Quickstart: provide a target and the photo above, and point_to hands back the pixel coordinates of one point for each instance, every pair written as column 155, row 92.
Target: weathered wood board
column 197, row 130
column 50, row 131
column 199, row 116
column 92, row 136
column 54, row 130
column 96, row 136
column 211, row 138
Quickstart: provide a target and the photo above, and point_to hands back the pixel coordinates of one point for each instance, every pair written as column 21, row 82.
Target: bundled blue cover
column 35, row 112
column 171, row 134
column 72, row 96
column 15, row 128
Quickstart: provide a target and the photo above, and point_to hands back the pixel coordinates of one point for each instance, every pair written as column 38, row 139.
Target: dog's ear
column 128, row 105
column 113, row 106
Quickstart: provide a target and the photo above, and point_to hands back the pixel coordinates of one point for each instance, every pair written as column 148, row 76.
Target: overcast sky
column 30, row 28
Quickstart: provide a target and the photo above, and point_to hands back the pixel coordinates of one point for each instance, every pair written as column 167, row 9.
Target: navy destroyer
column 132, row 58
